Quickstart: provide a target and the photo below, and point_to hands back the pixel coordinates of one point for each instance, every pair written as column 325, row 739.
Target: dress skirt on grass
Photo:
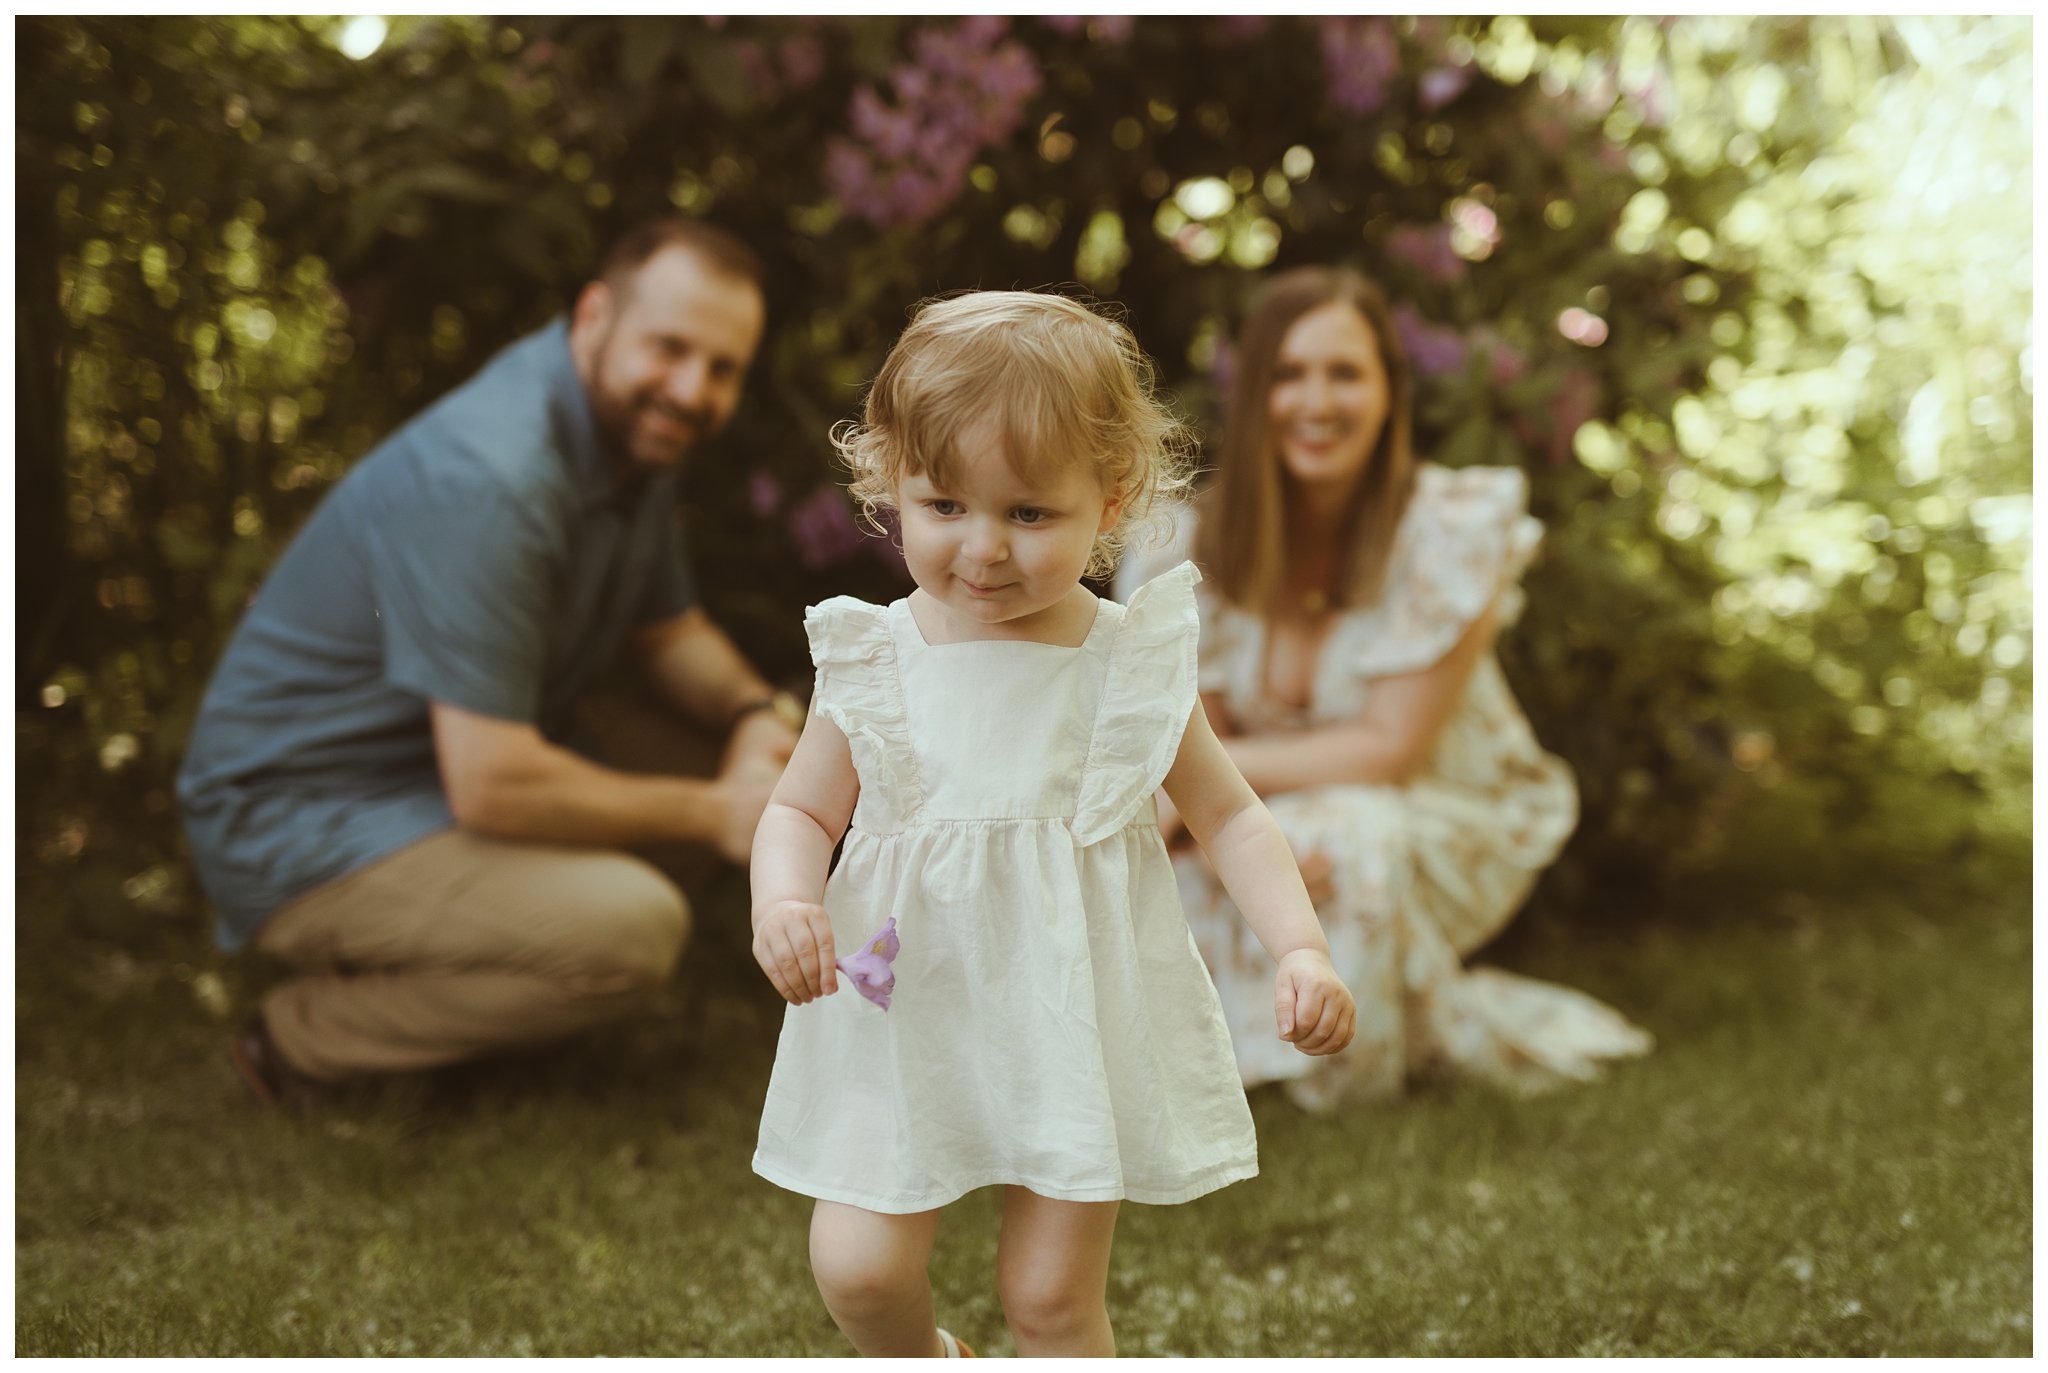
column 1052, row 1025
column 1427, row 871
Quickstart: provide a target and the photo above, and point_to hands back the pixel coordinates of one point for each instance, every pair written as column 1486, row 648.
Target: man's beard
column 616, row 414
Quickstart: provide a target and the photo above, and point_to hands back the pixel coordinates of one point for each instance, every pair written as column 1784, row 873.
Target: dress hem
column 1203, row 1183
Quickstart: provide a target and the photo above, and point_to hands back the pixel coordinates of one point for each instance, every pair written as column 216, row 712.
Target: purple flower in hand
column 869, row 970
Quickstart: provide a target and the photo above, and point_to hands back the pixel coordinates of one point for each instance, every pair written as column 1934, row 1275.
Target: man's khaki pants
column 461, row 945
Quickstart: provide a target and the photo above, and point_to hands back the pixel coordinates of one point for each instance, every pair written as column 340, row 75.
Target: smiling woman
column 1347, row 662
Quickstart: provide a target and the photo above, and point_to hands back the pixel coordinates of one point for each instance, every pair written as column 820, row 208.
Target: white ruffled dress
column 1052, row 1025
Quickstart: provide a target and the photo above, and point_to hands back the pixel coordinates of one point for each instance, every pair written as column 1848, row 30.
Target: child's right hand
column 793, row 945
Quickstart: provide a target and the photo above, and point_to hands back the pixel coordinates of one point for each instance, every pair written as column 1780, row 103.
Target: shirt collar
column 576, row 426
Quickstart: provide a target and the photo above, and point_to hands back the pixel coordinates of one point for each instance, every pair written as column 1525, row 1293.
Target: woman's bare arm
column 1389, row 742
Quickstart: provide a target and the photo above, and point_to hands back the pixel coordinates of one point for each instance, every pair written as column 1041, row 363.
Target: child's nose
column 985, row 544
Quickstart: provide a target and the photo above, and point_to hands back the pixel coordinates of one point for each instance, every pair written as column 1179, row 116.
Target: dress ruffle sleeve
column 1173, row 542
column 1147, row 698
column 858, row 689
column 1463, row 546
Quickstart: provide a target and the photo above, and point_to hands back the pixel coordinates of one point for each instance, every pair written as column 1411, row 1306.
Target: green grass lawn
column 1829, row 1153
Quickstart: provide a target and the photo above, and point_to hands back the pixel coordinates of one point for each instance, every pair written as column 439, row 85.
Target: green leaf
column 453, row 181
column 716, row 75
column 1468, row 443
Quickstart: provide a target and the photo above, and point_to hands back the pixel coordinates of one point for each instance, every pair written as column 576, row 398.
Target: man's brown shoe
column 263, row 1069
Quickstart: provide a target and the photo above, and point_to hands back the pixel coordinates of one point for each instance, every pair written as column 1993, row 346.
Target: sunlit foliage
column 1749, row 300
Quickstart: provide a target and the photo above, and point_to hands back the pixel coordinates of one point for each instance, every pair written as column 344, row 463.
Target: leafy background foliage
column 1749, row 300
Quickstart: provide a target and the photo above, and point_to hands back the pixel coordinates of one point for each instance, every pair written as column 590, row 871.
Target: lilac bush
column 964, row 89
column 1359, row 59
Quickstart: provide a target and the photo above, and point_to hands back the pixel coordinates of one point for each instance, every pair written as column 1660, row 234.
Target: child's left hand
column 1311, row 1003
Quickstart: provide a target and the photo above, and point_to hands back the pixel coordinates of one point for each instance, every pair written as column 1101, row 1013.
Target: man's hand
column 754, row 758
column 760, row 734
column 793, row 945
column 1311, row 1003
column 743, row 790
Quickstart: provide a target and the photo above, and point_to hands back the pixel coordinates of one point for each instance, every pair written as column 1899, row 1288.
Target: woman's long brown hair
column 1241, row 540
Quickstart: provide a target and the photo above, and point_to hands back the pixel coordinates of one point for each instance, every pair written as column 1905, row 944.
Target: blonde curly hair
column 1060, row 382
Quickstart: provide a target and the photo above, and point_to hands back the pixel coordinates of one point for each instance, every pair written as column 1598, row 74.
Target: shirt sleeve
column 464, row 575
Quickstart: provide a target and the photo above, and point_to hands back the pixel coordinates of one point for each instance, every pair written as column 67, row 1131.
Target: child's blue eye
column 1028, row 515
column 943, row 507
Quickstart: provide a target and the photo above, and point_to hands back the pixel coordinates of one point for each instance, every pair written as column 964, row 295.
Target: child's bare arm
column 1312, row 1006
column 805, row 818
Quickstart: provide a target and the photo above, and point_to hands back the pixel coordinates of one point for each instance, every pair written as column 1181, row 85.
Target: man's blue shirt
column 482, row 556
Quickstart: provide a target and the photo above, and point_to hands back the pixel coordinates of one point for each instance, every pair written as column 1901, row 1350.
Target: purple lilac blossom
column 1103, row 28
column 962, row 91
column 803, row 60
column 1509, row 363
column 1427, row 247
column 823, row 530
column 869, row 970
column 1435, row 349
column 764, row 493
column 1441, row 85
column 1359, row 58
column 760, row 72
column 795, row 63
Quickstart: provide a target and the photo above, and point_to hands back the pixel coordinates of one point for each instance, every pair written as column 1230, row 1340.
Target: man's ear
column 593, row 312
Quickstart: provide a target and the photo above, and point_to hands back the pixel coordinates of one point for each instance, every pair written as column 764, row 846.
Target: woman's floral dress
column 1427, row 871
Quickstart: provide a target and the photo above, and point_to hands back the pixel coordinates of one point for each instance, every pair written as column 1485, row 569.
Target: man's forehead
column 677, row 288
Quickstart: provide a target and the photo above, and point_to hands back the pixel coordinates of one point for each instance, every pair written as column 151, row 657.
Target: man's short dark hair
column 718, row 248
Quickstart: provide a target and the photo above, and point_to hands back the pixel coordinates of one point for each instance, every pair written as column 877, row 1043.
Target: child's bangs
column 1040, row 430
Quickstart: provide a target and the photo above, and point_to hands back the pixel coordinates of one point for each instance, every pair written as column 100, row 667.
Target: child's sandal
column 955, row 1347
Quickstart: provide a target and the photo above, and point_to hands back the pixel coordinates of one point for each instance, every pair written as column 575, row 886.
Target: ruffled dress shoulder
column 1462, row 547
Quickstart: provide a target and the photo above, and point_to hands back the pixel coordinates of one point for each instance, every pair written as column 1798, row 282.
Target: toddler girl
column 1032, row 1010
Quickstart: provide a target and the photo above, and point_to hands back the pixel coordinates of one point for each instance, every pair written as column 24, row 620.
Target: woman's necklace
column 1318, row 572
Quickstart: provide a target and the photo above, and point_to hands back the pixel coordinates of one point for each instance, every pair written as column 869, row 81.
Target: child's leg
column 870, row 1270
column 1052, row 1266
